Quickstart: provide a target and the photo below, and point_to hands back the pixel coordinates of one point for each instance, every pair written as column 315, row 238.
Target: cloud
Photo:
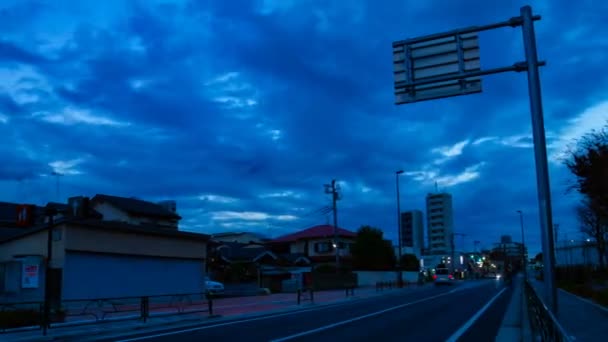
column 217, row 198
column 249, row 216
column 592, row 118
column 243, row 110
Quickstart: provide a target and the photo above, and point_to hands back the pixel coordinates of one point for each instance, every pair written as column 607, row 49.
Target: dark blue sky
column 242, row 110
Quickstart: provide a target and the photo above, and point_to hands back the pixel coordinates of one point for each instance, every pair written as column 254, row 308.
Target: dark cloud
column 10, row 52
column 9, row 106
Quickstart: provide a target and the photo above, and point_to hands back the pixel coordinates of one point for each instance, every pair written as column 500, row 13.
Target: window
column 323, row 247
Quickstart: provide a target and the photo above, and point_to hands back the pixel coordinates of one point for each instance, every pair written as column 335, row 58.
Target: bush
column 19, row 318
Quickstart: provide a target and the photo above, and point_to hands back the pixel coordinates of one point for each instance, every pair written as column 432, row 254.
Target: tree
column 594, row 225
column 588, row 162
column 539, row 257
column 409, row 262
column 370, row 250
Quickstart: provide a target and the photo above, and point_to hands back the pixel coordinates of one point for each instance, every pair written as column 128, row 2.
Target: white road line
column 295, row 312
column 141, row 338
column 348, row 321
column 475, row 317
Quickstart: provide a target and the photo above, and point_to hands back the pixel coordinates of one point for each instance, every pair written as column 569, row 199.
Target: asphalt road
column 427, row 314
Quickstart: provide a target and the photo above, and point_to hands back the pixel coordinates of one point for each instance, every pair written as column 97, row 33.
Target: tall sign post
column 448, row 64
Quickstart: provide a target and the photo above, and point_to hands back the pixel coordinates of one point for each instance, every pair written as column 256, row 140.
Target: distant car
column 492, row 275
column 443, row 277
column 213, row 287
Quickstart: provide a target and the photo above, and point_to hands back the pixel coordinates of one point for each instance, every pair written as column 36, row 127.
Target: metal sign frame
column 409, row 90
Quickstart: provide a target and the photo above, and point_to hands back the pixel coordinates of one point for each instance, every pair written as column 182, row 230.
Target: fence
column 87, row 311
column 543, row 322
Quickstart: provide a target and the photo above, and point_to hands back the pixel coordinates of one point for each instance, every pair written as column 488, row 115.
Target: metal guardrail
column 301, row 295
column 89, row 311
column 544, row 324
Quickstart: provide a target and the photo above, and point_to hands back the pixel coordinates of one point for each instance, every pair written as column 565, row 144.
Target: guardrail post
column 210, row 304
column 145, row 308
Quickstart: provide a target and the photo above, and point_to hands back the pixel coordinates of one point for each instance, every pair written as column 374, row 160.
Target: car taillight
column 434, row 276
column 450, row 276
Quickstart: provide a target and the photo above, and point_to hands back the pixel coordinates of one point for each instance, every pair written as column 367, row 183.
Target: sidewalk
column 224, row 308
column 515, row 325
column 582, row 319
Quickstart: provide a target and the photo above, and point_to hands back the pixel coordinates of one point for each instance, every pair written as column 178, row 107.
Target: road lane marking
column 237, row 321
column 475, row 317
column 351, row 320
column 270, row 316
column 246, row 320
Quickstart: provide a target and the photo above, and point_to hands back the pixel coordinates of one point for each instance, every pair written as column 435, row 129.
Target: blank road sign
column 425, row 70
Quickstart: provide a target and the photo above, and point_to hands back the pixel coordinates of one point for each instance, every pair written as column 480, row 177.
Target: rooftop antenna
column 436, row 187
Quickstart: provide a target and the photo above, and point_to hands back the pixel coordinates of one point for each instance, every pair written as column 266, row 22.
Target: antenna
column 436, row 187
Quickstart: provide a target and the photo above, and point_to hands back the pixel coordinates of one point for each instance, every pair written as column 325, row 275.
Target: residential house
column 234, row 262
column 317, row 244
column 102, row 254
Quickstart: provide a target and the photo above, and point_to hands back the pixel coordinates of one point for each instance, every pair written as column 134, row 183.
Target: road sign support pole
column 540, row 154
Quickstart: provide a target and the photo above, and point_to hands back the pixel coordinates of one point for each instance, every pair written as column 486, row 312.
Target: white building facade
column 440, row 224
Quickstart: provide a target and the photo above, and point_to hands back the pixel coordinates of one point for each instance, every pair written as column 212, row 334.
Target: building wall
column 439, row 222
column 412, row 229
column 111, row 213
column 370, row 278
column 576, row 253
column 35, row 245
column 31, row 248
column 84, row 239
column 300, row 247
column 93, row 275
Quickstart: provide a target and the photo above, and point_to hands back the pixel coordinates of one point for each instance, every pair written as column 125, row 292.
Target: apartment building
column 440, row 225
column 412, row 230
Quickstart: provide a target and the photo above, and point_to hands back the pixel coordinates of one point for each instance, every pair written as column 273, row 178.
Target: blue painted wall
column 90, row 275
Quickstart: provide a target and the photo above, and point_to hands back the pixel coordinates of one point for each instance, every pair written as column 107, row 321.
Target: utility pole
column 453, row 246
column 333, row 189
column 399, row 245
column 453, row 252
column 57, row 175
column 50, row 213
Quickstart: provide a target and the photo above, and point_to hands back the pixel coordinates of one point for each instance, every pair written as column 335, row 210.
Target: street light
column 397, row 173
column 523, row 244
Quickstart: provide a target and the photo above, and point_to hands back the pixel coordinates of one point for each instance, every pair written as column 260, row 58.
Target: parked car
column 443, row 277
column 213, row 287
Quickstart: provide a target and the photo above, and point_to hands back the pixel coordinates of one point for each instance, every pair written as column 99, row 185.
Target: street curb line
column 588, row 301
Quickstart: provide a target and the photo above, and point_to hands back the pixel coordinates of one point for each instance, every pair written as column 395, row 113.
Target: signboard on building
column 30, row 273
column 24, row 215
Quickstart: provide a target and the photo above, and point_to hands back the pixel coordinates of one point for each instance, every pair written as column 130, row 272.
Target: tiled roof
column 137, row 206
column 314, row 233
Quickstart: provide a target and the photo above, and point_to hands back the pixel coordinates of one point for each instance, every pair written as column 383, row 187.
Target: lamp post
column 399, row 244
column 523, row 244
